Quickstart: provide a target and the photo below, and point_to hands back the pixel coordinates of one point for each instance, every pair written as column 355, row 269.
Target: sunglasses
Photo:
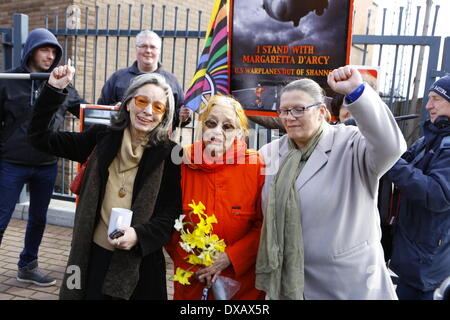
column 143, row 102
column 211, row 124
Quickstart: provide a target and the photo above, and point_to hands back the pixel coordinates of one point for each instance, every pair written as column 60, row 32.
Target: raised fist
column 344, row 80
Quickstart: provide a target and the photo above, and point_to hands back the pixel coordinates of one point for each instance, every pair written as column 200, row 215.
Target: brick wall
column 94, row 49
column 95, row 57
column 35, row 9
column 106, row 63
column 172, row 57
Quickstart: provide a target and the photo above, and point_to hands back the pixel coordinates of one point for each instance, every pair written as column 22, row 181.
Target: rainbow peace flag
column 211, row 76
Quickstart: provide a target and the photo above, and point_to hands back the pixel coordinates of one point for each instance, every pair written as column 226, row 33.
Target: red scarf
column 195, row 157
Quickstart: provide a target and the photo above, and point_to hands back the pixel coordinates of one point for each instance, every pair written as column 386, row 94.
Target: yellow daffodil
column 197, row 209
column 193, row 259
column 220, row 245
column 195, row 239
column 206, row 259
column 202, row 246
column 212, row 239
column 182, row 276
column 204, row 227
column 187, row 237
column 211, row 219
column 198, row 232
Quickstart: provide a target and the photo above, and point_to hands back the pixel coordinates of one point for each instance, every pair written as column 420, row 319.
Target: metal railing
column 111, row 46
column 101, row 41
column 408, row 60
column 100, row 44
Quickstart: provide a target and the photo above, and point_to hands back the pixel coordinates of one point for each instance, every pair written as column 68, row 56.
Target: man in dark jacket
column 421, row 247
column 21, row 163
column 148, row 49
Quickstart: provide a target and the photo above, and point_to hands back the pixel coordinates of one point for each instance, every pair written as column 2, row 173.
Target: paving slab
column 53, row 255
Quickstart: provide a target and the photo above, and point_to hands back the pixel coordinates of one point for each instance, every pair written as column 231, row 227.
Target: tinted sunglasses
column 211, row 124
column 143, row 102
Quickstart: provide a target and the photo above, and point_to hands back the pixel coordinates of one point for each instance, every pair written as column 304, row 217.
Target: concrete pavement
column 53, row 253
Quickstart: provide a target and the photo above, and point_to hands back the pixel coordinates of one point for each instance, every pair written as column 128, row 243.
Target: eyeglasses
column 143, row 102
column 145, row 47
column 296, row 112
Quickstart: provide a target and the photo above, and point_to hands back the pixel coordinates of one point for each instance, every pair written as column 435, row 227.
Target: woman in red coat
column 227, row 178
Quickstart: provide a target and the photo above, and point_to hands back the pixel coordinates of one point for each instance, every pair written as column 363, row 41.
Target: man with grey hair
column 421, row 244
column 148, row 50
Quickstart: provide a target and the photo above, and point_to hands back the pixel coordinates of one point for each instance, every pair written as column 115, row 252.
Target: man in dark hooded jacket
column 421, row 246
column 21, row 163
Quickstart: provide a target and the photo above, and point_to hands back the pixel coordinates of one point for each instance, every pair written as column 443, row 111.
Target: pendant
column 122, row 192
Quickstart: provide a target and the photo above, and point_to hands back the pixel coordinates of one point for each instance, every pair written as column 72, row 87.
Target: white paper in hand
column 120, row 217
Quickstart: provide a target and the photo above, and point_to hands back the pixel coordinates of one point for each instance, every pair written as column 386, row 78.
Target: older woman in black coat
column 130, row 168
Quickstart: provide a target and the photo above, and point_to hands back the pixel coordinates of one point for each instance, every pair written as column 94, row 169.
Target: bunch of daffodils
column 201, row 244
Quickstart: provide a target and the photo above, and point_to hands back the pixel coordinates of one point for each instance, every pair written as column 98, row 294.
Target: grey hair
column 307, row 85
column 122, row 119
column 148, row 34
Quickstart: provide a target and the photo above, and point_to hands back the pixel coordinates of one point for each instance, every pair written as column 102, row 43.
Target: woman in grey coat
column 321, row 234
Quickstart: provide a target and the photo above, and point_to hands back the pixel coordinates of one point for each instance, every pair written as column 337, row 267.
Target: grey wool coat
column 140, row 272
column 338, row 190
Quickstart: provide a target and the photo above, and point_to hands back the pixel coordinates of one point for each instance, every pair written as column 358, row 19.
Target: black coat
column 15, row 114
column 16, row 106
column 139, row 273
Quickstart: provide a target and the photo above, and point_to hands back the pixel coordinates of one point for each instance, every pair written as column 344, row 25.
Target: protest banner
column 283, row 40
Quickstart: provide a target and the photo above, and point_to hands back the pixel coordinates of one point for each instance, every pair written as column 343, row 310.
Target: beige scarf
column 280, row 264
column 122, row 173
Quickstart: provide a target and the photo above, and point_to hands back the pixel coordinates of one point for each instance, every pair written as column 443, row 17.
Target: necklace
column 122, row 190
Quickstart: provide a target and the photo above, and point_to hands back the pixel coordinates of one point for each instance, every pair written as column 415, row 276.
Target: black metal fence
column 410, row 57
column 99, row 43
column 110, row 46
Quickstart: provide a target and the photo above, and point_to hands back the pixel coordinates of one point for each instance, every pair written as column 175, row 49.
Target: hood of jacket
column 38, row 38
